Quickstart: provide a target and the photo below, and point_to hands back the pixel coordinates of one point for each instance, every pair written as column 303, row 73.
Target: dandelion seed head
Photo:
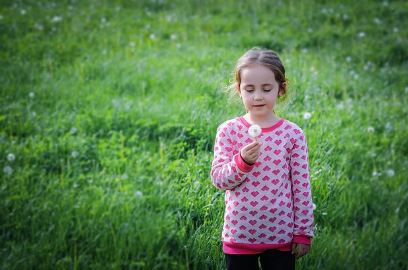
column 314, row 206
column 152, row 36
column 376, row 174
column 74, row 154
column 307, row 115
column 370, row 129
column 390, row 172
column 395, row 29
column 138, row 194
column 31, row 95
column 56, row 19
column 349, row 59
column 73, row 130
column 361, row 34
column 11, row 157
column 23, row 12
column 173, row 37
column 8, row 170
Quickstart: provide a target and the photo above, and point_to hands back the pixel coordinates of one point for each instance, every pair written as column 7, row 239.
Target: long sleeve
column 302, row 197
column 228, row 170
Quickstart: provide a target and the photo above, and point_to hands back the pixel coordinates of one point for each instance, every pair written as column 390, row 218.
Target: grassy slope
column 113, row 148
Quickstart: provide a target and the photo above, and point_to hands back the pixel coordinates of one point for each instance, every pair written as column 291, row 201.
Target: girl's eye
column 248, row 89
column 267, row 89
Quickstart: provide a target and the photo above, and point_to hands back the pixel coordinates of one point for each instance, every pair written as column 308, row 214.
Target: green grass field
column 109, row 111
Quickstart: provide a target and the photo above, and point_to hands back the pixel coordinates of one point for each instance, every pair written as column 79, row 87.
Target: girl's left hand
column 300, row 250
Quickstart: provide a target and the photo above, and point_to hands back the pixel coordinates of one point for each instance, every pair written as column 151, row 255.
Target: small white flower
column 349, row 58
column 368, row 66
column 395, row 29
column 307, row 115
column 310, row 30
column 39, row 26
column 1, row 17
column 314, row 206
column 254, row 131
column 388, row 127
column 23, row 12
column 324, row 213
column 132, row 44
column 370, row 129
column 345, row 17
column 377, row 21
column 74, row 154
column 73, row 130
column 390, row 172
column 138, row 194
column 33, row 114
column 376, row 174
column 385, row 3
column 56, row 19
column 11, row 157
column 361, row 34
column 173, row 37
column 8, row 170
column 31, row 94
column 304, row 50
column 152, row 36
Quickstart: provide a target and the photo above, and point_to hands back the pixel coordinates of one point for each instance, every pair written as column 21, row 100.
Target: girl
column 268, row 200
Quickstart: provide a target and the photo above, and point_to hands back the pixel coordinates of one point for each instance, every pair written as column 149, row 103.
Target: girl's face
column 258, row 90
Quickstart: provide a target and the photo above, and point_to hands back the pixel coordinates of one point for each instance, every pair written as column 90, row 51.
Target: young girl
column 268, row 200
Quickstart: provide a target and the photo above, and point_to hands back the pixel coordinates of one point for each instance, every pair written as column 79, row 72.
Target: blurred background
column 109, row 111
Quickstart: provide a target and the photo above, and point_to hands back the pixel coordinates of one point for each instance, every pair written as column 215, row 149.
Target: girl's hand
column 300, row 250
column 250, row 152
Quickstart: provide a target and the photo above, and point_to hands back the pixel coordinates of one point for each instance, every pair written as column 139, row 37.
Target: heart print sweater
column 268, row 205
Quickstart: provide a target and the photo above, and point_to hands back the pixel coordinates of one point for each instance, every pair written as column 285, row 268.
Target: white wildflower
column 132, row 44
column 307, row 115
column 1, row 17
column 385, row 3
column 377, row 21
column 368, row 66
column 388, row 127
column 345, row 17
column 11, row 157
column 361, row 34
column 324, row 213
column 39, row 26
column 304, row 50
column 56, row 19
column 74, row 154
column 173, row 37
column 138, row 194
column 33, row 114
column 73, row 130
column 8, row 170
column 23, row 12
column 254, row 131
column 395, row 29
column 152, row 36
column 390, row 172
column 314, row 206
column 376, row 174
column 370, row 129
column 310, row 30
column 349, row 58
column 31, row 94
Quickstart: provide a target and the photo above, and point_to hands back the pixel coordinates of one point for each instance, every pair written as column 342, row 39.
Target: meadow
column 109, row 111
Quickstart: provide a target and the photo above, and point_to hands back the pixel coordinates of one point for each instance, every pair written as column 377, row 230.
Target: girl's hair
column 265, row 57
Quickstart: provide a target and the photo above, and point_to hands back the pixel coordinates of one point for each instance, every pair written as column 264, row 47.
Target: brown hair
column 265, row 57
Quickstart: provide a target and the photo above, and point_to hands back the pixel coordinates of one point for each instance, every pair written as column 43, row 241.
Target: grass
column 109, row 111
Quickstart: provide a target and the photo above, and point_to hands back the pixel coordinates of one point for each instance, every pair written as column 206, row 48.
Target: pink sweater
column 268, row 205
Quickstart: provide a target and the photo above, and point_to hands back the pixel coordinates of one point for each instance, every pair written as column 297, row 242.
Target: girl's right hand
column 250, row 152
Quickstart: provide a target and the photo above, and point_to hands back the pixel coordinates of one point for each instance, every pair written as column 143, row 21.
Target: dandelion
column 11, row 157
column 385, row 3
column 73, row 130
column 173, row 37
column 33, row 114
column 56, row 19
column 314, row 206
column 39, row 26
column 31, row 95
column 138, row 194
column 152, row 36
column 361, row 34
column 390, row 172
column 254, row 131
column 74, row 154
column 354, row 74
column 345, row 17
column 368, row 66
column 8, row 170
column 370, row 129
column 324, row 213
column 377, row 21
column 349, row 58
column 132, row 44
column 395, row 29
column 23, row 12
column 388, row 127
column 307, row 115
column 376, row 174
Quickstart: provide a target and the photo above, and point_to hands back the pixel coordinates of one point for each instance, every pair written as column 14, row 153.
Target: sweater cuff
column 242, row 165
column 302, row 239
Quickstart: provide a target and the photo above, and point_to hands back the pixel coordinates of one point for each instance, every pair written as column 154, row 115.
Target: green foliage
column 109, row 109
